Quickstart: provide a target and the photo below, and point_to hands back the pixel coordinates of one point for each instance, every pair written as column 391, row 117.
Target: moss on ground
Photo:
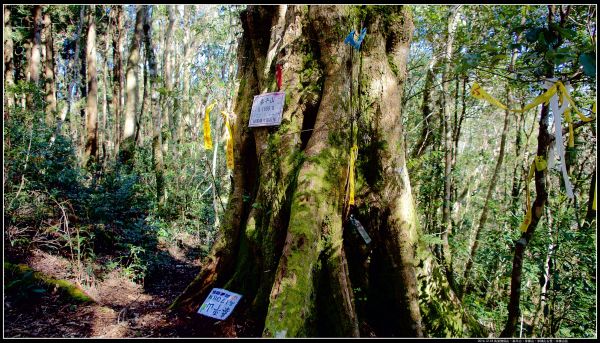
column 28, row 277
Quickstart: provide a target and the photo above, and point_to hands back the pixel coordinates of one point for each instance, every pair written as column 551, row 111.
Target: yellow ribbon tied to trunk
column 539, row 164
column 207, row 138
column 353, row 156
column 229, row 140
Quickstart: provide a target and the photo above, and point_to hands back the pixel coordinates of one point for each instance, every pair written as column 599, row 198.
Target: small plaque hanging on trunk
column 267, row 109
column 219, row 304
column 361, row 230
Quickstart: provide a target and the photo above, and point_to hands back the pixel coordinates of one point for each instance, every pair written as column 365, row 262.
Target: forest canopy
column 339, row 171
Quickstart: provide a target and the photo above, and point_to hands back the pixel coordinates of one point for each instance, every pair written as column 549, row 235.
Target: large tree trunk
column 282, row 243
column 128, row 149
column 91, row 123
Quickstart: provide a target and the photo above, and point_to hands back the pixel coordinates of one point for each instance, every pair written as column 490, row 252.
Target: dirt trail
column 122, row 309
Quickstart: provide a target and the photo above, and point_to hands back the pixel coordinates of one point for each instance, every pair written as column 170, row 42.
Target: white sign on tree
column 267, row 109
column 219, row 304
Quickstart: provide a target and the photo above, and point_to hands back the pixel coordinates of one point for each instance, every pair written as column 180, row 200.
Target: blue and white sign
column 219, row 304
column 267, row 109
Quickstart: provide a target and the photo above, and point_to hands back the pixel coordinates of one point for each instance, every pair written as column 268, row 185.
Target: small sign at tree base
column 219, row 304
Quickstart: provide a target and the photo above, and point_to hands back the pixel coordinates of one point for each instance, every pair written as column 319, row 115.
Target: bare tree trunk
column 157, row 158
column 9, row 66
column 49, row 78
column 542, row 310
column 544, row 139
column 447, row 125
column 91, row 145
column 426, row 137
column 128, row 149
column 34, row 54
column 118, row 36
column 168, row 82
column 103, row 136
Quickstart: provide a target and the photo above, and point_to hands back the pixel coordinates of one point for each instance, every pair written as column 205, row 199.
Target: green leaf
column 38, row 290
column 588, row 61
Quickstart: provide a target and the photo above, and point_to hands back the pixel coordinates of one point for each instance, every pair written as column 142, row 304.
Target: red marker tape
column 278, row 76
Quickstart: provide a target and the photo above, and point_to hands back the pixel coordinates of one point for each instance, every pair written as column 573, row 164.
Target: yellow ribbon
column 229, row 145
column 571, row 131
column 480, row 93
column 540, row 163
column 353, row 155
column 207, row 139
column 564, row 92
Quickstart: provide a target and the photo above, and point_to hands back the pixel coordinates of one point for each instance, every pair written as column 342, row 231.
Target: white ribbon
column 557, row 112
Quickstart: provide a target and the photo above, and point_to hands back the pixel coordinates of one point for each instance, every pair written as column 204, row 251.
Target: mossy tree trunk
column 284, row 243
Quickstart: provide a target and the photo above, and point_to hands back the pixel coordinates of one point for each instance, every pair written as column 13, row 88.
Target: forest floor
column 121, row 309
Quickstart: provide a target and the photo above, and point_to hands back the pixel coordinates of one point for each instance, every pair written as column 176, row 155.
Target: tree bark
column 447, row 204
column 157, row 158
column 168, row 82
column 34, row 54
column 426, row 137
column 91, row 123
column 127, row 151
column 48, row 64
column 9, row 66
column 103, row 136
column 117, row 41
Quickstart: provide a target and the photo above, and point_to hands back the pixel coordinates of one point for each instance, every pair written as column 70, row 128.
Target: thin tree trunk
column 91, row 145
column 117, row 42
column 9, row 67
column 476, row 234
column 48, row 64
column 544, row 139
column 540, row 313
column 447, row 125
column 128, row 143
column 168, row 82
column 103, row 136
column 426, row 137
column 157, row 158
column 34, row 54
